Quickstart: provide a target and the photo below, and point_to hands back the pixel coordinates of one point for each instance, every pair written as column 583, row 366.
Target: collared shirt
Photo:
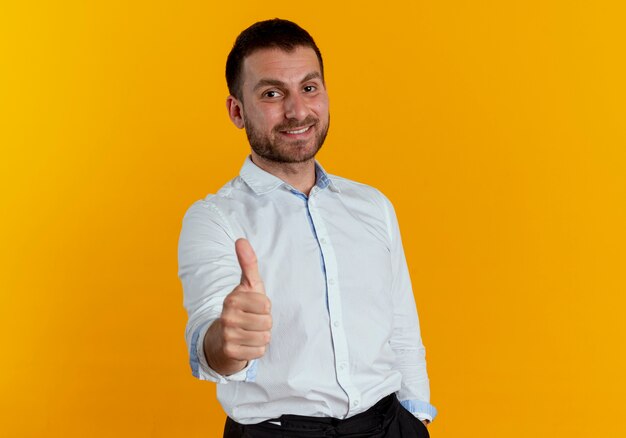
column 345, row 329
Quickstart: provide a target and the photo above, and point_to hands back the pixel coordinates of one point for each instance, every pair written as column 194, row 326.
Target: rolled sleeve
column 208, row 271
column 421, row 409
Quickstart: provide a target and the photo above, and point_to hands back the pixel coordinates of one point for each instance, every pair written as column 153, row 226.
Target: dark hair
column 282, row 34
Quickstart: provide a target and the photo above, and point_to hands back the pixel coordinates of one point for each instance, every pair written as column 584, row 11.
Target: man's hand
column 243, row 330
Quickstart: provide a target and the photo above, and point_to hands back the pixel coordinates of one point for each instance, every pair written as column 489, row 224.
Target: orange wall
column 496, row 128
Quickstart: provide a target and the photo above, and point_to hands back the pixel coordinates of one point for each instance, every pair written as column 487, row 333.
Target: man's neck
column 300, row 176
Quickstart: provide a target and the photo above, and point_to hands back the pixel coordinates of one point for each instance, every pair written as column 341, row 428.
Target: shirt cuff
column 421, row 409
column 201, row 369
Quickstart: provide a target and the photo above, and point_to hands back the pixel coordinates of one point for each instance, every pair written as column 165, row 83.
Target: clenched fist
column 243, row 330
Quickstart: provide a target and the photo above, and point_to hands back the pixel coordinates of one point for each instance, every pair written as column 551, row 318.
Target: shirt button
column 355, row 403
column 336, row 323
column 331, row 281
column 342, row 366
column 322, row 240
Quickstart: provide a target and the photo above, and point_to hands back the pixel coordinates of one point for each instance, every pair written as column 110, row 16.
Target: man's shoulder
column 349, row 187
column 228, row 192
column 213, row 203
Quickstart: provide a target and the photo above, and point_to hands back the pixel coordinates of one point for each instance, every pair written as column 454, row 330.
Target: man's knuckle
column 228, row 321
column 230, row 351
column 230, row 301
column 262, row 339
column 266, row 326
column 229, row 336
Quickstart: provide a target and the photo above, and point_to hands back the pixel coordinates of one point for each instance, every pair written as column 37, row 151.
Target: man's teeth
column 299, row 131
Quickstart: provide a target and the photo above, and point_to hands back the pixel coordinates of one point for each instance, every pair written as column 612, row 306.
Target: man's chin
column 302, row 156
column 289, row 159
column 293, row 153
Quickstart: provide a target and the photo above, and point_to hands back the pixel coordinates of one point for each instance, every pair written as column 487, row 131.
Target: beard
column 274, row 148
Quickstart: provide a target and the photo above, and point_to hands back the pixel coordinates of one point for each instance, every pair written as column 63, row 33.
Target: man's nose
column 295, row 107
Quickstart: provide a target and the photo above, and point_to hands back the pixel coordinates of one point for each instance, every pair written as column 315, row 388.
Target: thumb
column 250, row 276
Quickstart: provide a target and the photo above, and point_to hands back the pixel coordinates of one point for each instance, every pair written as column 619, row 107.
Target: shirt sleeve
column 406, row 340
column 208, row 270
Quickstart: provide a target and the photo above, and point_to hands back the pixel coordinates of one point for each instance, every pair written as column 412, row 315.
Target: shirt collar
column 262, row 182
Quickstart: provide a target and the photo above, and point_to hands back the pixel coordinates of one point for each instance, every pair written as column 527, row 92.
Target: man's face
column 285, row 105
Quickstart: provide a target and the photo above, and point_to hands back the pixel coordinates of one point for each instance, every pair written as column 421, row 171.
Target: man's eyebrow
column 277, row 83
column 312, row 75
column 266, row 82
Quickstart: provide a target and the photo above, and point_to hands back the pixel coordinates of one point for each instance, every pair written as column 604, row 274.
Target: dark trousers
column 386, row 419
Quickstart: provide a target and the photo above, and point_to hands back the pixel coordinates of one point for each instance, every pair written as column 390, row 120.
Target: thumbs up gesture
column 243, row 330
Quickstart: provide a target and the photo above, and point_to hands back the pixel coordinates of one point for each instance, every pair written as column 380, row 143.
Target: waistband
column 376, row 418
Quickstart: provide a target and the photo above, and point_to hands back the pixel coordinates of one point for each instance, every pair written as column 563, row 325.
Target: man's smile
column 298, row 131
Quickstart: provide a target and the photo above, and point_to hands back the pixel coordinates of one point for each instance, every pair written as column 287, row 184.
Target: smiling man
column 295, row 281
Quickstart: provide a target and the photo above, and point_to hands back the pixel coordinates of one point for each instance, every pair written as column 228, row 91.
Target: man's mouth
column 298, row 131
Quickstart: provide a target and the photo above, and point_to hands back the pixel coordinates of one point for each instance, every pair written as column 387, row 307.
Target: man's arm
column 209, row 271
column 406, row 340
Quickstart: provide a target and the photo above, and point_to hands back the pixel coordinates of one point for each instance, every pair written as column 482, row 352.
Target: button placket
column 340, row 345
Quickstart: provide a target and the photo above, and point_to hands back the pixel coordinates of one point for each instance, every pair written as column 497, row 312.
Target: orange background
column 496, row 128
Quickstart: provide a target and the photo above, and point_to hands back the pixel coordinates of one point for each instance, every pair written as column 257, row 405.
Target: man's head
column 270, row 34
column 276, row 80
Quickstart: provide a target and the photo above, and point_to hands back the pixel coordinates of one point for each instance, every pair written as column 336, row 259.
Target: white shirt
column 345, row 329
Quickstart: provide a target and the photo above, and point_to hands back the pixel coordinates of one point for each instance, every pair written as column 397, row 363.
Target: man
column 295, row 281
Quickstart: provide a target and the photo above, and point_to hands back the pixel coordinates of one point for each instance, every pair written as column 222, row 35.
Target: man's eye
column 271, row 93
column 310, row 88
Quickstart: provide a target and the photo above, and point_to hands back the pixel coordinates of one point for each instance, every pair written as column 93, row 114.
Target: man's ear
column 235, row 111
